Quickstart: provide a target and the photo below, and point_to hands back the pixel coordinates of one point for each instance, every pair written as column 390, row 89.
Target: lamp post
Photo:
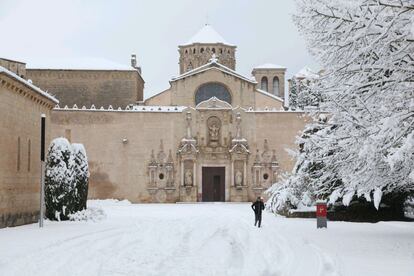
column 42, row 168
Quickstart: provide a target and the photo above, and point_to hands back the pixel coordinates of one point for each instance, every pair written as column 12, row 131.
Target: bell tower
column 198, row 50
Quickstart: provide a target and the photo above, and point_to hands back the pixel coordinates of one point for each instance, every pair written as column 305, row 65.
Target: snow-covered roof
column 12, row 60
column 79, row 64
column 269, row 95
column 214, row 64
column 269, row 66
column 28, row 84
column 207, row 35
column 306, row 73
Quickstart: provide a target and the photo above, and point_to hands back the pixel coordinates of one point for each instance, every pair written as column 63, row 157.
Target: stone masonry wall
column 20, row 112
column 87, row 87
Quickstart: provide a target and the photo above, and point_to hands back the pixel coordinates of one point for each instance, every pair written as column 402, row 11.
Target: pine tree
column 293, row 94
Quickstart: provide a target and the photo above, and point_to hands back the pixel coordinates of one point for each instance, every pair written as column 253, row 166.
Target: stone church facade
column 214, row 135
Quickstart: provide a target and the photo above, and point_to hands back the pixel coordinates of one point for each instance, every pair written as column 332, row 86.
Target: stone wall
column 17, row 67
column 121, row 144
column 118, row 146
column 20, row 112
column 87, row 87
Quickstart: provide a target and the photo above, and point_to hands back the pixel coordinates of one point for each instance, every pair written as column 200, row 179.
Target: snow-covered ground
column 204, row 239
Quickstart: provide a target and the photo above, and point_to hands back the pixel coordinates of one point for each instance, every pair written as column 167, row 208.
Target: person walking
column 258, row 207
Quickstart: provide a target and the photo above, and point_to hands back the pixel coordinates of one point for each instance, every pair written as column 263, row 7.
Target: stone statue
column 238, row 177
column 188, row 178
column 214, row 132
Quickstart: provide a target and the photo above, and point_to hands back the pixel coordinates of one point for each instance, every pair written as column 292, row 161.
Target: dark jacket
column 257, row 207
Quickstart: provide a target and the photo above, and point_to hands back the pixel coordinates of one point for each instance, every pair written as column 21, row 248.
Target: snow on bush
column 365, row 148
column 65, row 175
column 59, row 180
column 81, row 175
column 91, row 214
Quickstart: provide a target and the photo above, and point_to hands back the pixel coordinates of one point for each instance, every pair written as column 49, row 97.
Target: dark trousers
column 257, row 219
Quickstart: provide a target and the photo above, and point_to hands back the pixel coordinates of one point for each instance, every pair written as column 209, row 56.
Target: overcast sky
column 263, row 31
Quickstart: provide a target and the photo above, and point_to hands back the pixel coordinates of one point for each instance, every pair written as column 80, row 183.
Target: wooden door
column 213, row 184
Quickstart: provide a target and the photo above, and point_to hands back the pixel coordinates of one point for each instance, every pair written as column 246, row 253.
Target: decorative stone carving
column 239, row 152
column 239, row 144
column 169, row 167
column 187, row 152
column 257, row 169
column 161, row 155
column 161, row 171
column 188, row 144
column 215, row 104
column 265, row 167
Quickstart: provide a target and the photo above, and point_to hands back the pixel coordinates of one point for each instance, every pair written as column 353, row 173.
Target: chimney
column 134, row 62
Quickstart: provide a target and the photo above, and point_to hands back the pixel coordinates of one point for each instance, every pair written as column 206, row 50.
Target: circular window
column 161, row 176
column 209, row 90
column 265, row 176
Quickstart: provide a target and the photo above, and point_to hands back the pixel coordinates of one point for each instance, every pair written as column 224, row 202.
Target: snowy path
column 204, row 239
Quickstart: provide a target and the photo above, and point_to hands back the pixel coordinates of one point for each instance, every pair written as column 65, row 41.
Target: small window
column 186, row 51
column 161, row 176
column 221, row 50
column 264, row 84
column 214, row 50
column 202, row 50
column 194, row 51
column 265, row 176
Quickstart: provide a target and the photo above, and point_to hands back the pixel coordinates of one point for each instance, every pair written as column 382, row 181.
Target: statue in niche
column 238, row 178
column 213, row 128
column 188, row 178
column 214, row 132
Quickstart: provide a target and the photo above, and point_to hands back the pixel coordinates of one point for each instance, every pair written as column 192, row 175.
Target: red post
column 321, row 214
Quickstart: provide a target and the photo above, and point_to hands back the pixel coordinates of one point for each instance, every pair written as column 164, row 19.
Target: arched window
column 186, row 51
column 194, row 51
column 202, row 50
column 214, row 50
column 264, row 84
column 276, row 86
column 212, row 89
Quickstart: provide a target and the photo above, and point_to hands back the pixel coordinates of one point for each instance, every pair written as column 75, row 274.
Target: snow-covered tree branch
column 366, row 147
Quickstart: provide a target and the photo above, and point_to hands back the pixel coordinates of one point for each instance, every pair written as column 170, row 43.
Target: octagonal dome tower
column 199, row 49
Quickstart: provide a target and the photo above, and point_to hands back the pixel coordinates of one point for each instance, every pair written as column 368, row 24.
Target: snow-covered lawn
column 204, row 239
